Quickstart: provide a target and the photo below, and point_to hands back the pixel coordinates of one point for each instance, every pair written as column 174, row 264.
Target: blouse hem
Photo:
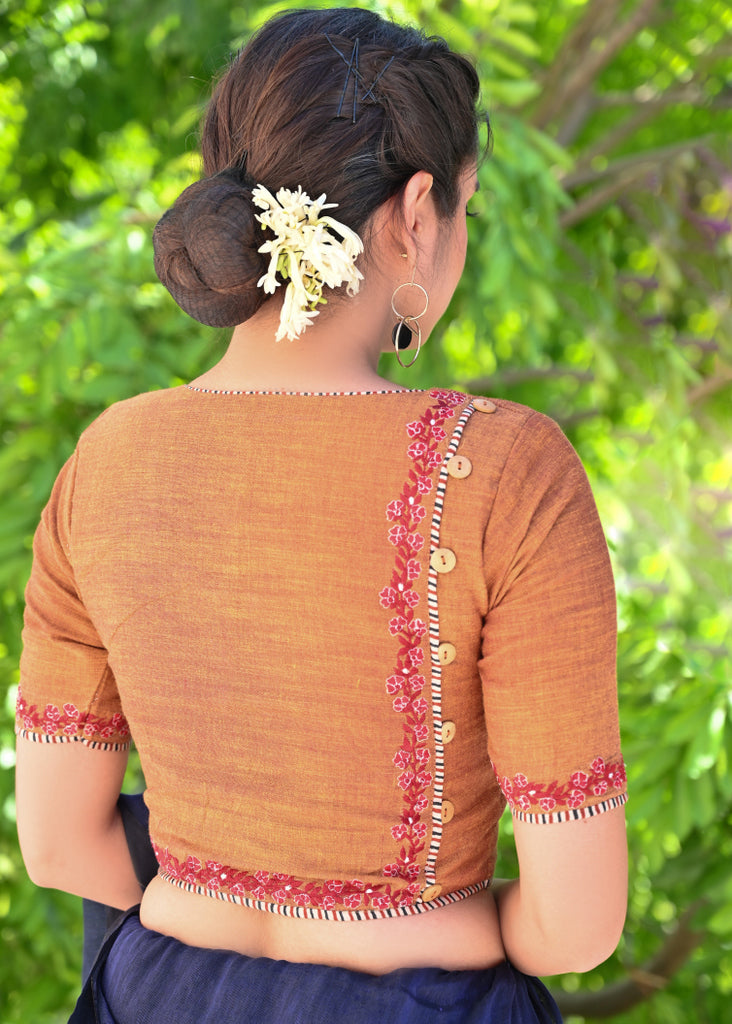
column 318, row 913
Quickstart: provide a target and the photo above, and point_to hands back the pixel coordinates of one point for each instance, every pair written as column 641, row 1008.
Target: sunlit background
column 597, row 290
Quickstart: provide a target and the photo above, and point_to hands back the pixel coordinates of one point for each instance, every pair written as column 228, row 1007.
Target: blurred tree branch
column 646, row 110
column 649, row 157
column 642, row 982
column 582, row 59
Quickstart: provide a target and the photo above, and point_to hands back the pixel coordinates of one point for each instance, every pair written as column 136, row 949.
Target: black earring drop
column 401, row 336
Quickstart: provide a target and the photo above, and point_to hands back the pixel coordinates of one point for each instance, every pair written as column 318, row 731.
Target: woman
column 345, row 622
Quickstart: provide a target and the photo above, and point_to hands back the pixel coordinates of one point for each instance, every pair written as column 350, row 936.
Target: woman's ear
column 417, row 204
column 402, row 222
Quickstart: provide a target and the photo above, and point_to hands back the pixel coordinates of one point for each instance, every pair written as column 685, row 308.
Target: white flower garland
column 306, row 252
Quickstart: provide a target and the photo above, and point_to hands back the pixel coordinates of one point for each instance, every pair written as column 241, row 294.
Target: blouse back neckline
column 302, row 394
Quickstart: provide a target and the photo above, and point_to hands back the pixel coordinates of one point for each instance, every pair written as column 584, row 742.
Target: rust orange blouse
column 343, row 630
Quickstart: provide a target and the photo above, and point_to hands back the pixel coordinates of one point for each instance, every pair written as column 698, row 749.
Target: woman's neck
column 338, row 352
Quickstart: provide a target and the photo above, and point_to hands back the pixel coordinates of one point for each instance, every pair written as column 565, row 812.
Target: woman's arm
column 70, row 830
column 566, row 910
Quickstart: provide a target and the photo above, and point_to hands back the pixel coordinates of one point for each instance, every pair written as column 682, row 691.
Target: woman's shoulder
column 520, row 428
column 518, row 446
column 139, row 412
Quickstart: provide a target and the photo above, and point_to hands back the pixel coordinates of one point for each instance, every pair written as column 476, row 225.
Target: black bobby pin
column 356, row 76
column 352, row 69
column 371, row 87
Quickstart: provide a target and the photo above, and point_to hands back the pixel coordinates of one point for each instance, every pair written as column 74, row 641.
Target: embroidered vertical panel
column 407, row 685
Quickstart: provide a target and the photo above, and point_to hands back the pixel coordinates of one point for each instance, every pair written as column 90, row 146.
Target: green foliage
column 597, row 289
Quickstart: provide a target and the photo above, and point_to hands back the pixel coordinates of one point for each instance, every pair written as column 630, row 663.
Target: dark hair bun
column 206, row 251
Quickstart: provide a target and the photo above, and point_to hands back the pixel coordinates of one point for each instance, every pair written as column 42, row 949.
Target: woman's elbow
column 589, row 956
column 578, row 949
column 49, row 854
column 42, row 862
column 41, row 876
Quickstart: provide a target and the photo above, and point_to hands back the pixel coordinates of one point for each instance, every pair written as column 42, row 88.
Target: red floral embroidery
column 546, row 798
column 417, row 451
column 397, row 535
column 393, row 684
column 416, row 656
column 70, row 722
column 406, row 512
column 397, row 625
column 276, row 887
column 405, row 780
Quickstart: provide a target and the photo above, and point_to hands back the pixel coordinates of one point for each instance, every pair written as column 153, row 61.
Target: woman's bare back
column 462, row 936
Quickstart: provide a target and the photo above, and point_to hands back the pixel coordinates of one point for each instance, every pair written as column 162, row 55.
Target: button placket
column 444, row 560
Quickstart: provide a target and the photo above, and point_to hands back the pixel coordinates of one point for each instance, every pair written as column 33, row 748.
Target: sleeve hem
column 573, row 814
column 42, row 737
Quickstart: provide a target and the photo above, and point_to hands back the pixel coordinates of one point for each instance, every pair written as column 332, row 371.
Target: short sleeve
column 548, row 657
column 67, row 690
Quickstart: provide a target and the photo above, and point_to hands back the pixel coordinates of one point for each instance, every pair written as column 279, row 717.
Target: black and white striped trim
column 306, row 394
column 575, row 814
column 42, row 737
column 316, row 914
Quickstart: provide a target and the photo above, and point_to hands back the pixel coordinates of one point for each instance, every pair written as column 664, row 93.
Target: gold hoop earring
column 402, row 334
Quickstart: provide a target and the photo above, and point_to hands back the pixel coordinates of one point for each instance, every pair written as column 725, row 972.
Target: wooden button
column 484, row 405
column 446, row 653
column 443, row 560
column 448, row 811
column 430, row 893
column 448, row 732
column 459, row 466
